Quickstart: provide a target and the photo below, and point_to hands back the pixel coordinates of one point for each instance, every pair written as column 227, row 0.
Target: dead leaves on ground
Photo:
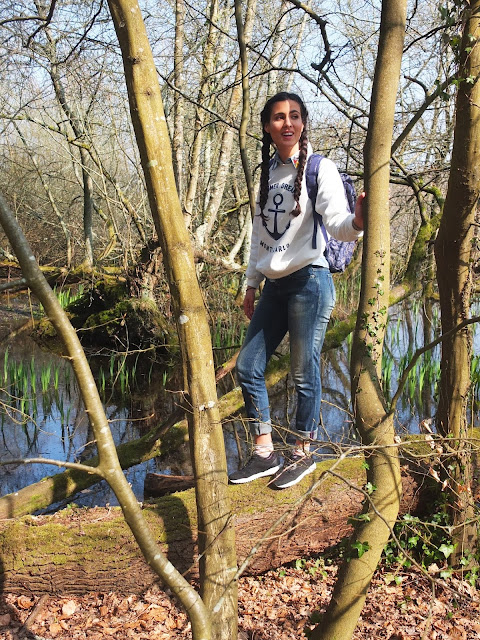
column 273, row 606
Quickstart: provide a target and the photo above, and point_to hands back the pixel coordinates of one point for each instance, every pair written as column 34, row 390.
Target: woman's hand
column 249, row 302
column 358, row 220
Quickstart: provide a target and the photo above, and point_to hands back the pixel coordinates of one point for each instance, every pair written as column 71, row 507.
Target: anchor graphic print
column 276, row 234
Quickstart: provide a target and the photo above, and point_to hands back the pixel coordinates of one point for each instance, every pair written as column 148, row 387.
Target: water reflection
column 42, row 415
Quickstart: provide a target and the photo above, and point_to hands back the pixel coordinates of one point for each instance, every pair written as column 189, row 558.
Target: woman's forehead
column 286, row 106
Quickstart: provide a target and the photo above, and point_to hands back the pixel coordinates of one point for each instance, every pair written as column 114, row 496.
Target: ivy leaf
column 447, row 549
column 370, row 488
column 361, row 547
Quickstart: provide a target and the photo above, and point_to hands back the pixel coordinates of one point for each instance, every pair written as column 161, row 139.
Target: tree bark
column 216, row 540
column 372, row 420
column 453, row 251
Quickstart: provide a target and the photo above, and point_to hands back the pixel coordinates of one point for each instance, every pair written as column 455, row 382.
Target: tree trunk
column 372, row 420
column 87, row 210
column 216, row 541
column 78, row 129
column 207, row 71
column 227, row 142
column 453, row 250
column 242, row 136
column 178, row 106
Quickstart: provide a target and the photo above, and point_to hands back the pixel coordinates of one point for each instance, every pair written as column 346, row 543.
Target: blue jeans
column 301, row 304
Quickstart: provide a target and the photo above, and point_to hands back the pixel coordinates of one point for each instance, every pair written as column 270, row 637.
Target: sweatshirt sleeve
column 254, row 277
column 331, row 203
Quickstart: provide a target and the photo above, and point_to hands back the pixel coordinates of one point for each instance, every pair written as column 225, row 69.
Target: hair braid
column 265, row 173
column 302, row 157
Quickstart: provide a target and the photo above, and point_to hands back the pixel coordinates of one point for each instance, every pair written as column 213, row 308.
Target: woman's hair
column 267, row 141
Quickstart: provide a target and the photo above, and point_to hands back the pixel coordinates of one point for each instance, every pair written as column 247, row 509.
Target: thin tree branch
column 45, row 22
column 56, row 463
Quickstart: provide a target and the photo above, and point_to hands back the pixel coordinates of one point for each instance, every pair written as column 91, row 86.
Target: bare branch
column 45, row 22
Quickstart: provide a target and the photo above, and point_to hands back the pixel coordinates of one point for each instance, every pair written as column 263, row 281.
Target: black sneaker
column 256, row 467
column 295, row 467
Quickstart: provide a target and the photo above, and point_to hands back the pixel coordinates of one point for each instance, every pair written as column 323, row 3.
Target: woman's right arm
column 249, row 302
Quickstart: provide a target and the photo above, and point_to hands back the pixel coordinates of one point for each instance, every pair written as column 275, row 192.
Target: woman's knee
column 248, row 367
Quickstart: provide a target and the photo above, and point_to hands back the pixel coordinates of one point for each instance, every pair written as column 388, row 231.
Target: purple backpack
column 338, row 254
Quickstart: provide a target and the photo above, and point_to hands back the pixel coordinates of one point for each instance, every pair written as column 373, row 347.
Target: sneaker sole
column 310, row 469
column 262, row 474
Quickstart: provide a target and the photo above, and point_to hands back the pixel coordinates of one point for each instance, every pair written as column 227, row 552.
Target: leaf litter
column 276, row 605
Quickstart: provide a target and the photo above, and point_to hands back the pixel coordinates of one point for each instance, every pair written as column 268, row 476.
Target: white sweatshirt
column 285, row 244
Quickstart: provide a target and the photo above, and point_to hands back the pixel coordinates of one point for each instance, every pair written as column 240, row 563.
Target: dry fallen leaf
column 24, row 603
column 69, row 608
column 458, row 633
column 54, row 629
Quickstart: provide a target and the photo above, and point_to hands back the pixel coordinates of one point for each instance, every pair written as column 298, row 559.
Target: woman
column 298, row 295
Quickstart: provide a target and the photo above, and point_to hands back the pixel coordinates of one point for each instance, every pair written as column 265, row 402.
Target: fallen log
column 62, row 486
column 79, row 550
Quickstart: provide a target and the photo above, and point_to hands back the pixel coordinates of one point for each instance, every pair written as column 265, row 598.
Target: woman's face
column 285, row 127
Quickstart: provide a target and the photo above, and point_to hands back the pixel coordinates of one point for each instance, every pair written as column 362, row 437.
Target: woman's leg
column 265, row 332
column 309, row 311
column 310, row 303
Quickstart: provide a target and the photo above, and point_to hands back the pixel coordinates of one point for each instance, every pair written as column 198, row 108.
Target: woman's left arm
column 357, row 222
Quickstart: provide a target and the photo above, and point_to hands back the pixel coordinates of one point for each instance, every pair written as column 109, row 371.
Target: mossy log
column 80, row 550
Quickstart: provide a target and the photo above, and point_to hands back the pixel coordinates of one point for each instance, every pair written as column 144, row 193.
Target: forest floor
column 276, row 601
column 276, row 605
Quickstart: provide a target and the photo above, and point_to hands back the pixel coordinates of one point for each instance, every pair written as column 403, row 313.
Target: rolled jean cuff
column 260, row 428
column 306, row 435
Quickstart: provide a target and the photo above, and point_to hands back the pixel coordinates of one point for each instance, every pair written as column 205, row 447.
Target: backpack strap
column 313, row 164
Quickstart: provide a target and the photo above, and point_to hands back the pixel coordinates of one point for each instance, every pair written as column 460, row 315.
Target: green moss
column 107, row 314
column 59, row 539
column 140, row 320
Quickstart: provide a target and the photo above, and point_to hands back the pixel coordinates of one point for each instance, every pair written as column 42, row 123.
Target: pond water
column 42, row 414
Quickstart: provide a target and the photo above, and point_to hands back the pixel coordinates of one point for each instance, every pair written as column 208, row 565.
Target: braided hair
column 267, row 141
